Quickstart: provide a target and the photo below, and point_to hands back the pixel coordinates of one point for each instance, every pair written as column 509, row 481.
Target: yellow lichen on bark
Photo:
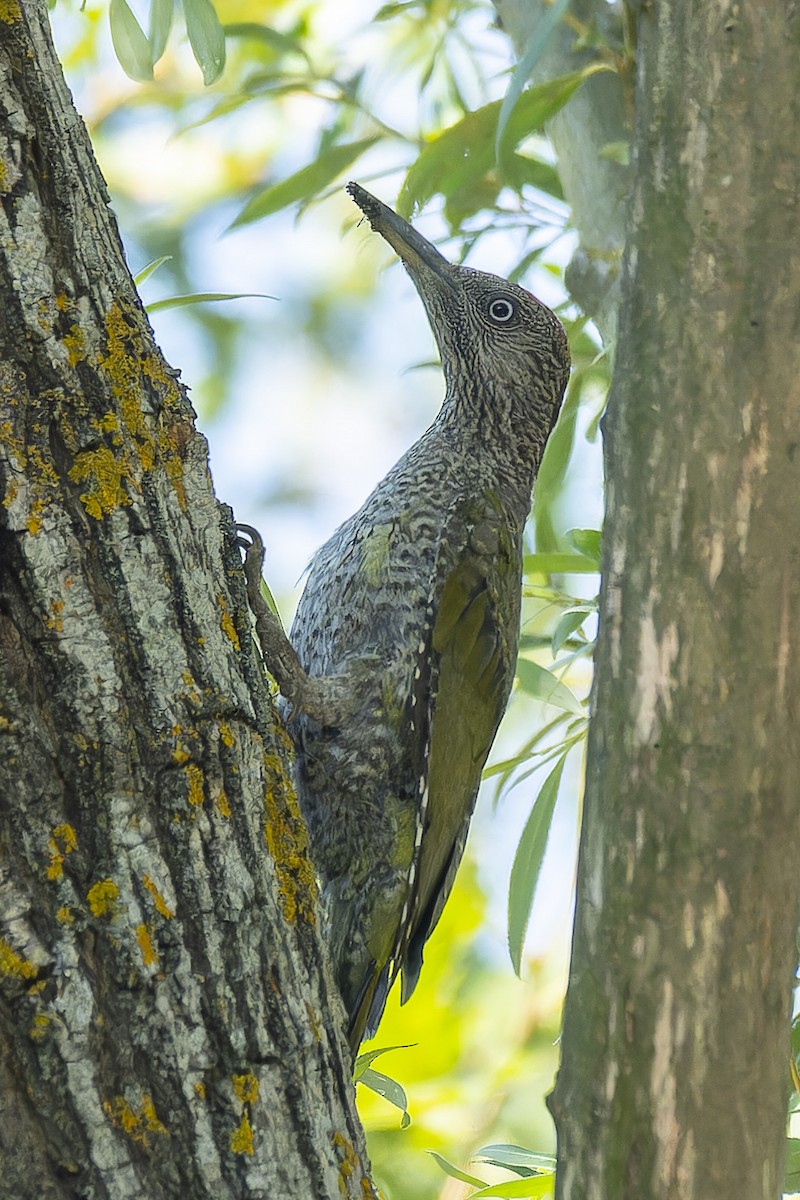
column 105, row 474
column 194, row 776
column 43, row 481
column 226, row 622
column 122, row 365
column 10, row 11
column 242, row 1136
column 287, row 840
column 62, row 841
column 181, row 753
column 12, row 964
column 39, row 1026
column 102, row 897
column 137, row 444
column 348, row 1166
column 75, row 343
column 161, row 905
column 149, row 955
column 138, row 1123
column 246, row 1089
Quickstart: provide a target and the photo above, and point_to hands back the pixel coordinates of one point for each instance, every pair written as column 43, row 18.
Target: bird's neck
column 500, row 432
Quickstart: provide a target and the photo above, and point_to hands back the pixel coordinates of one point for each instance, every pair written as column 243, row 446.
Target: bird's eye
column 501, row 310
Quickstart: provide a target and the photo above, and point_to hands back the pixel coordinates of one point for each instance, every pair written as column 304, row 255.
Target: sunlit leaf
column 204, row 298
column 538, row 104
column 558, row 562
column 304, row 183
column 130, row 42
column 368, row 1057
column 528, row 862
column 586, row 541
column 281, row 43
column 569, row 623
column 455, row 1172
column 147, row 271
column 269, row 599
column 160, row 24
column 206, row 37
column 553, row 470
column 792, row 1177
column 515, row 1158
column 386, row 11
column 390, row 1089
column 540, row 683
column 536, row 1187
column 459, row 157
column 532, row 756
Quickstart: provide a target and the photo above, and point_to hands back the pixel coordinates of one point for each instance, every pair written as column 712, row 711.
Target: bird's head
column 499, row 345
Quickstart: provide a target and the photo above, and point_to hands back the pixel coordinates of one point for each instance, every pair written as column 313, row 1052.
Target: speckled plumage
column 413, row 606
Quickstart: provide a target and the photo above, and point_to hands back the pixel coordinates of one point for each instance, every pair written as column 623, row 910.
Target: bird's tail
column 366, row 1013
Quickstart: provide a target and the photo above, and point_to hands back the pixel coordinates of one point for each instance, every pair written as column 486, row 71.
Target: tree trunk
column 675, row 1048
column 168, row 1025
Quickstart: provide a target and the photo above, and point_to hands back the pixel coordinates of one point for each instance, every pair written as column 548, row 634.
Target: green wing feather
column 472, row 651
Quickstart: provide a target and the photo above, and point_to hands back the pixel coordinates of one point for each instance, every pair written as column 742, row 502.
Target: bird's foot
column 324, row 699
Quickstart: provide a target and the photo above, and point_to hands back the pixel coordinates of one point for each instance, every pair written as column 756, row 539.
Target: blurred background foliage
column 225, row 141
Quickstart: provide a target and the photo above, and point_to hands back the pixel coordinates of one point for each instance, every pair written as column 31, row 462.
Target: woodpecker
column 404, row 645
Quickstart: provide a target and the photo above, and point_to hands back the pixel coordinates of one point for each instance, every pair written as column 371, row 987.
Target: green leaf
column 537, row 1186
column 542, row 684
column 306, row 182
column 792, row 1179
column 160, row 25
column 270, row 602
column 523, row 169
column 553, row 470
column 457, row 160
column 514, row 1158
column 559, row 563
column 390, row 1089
column 569, row 623
column 524, row 69
column 281, row 43
column 206, row 37
column 540, row 103
column 152, row 266
column 391, row 10
column 528, row 862
column 455, row 1172
column 586, row 541
column 204, row 298
column 130, row 43
column 364, row 1060
column 527, row 751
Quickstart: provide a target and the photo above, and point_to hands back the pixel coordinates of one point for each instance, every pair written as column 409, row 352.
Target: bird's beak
column 416, row 252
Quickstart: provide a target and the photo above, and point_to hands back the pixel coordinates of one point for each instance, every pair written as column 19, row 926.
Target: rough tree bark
column 674, row 1076
column 168, row 1027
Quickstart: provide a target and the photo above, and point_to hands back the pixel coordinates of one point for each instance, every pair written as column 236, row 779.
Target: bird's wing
column 465, row 670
